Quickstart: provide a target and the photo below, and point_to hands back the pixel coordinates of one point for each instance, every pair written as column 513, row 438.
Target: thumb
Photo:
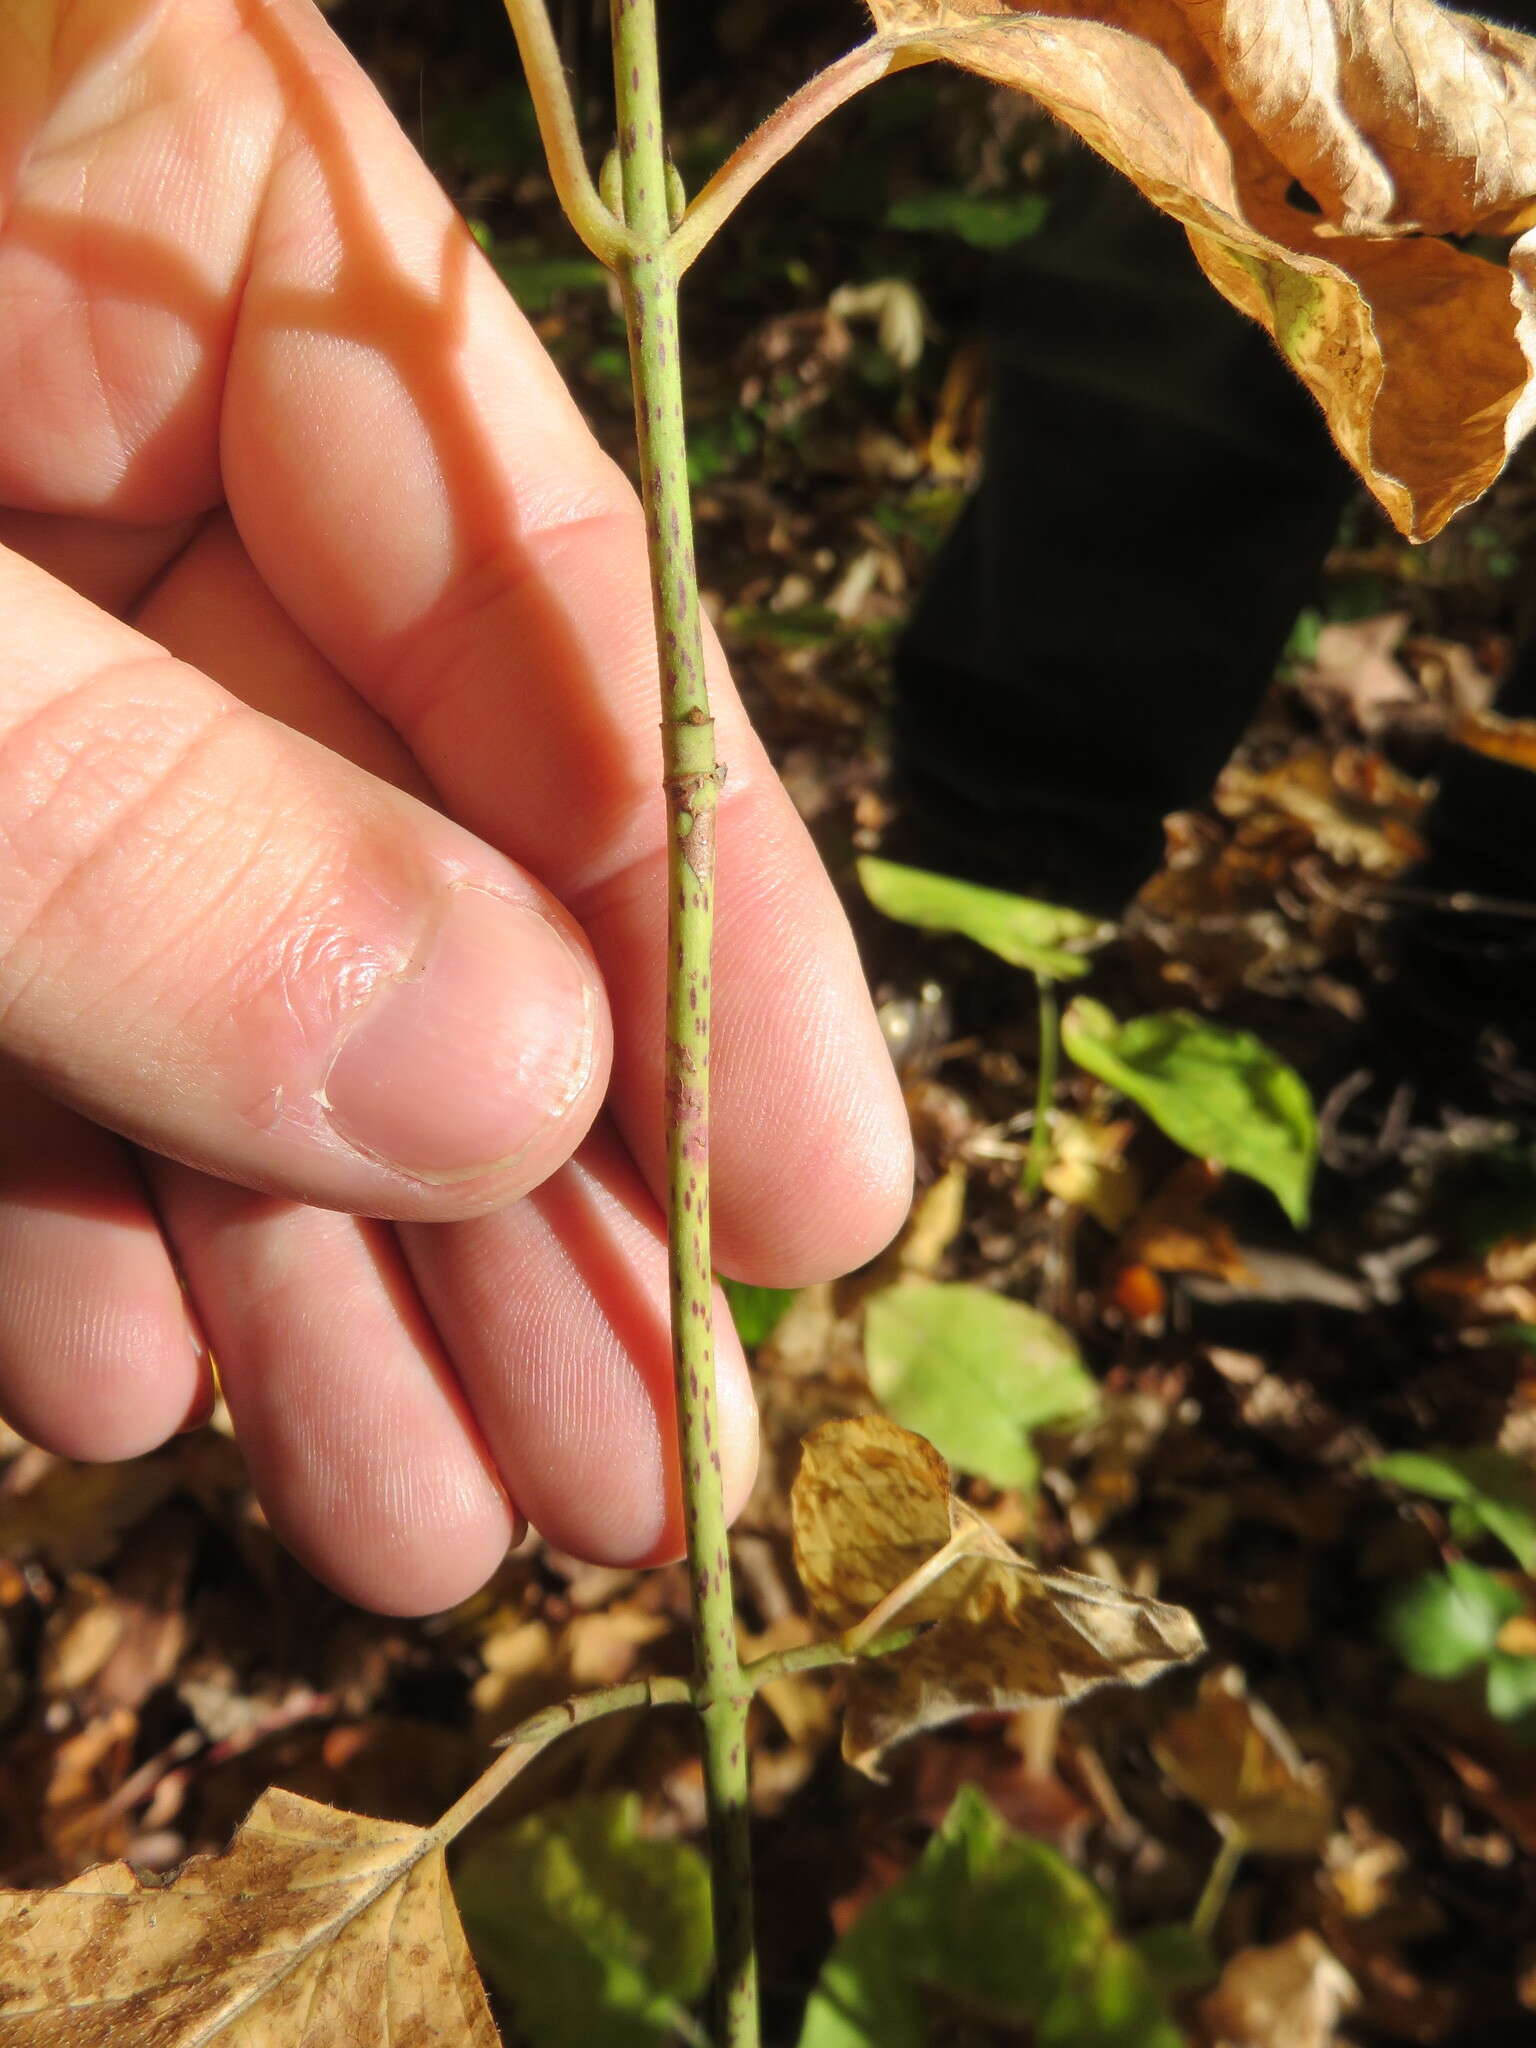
column 238, row 949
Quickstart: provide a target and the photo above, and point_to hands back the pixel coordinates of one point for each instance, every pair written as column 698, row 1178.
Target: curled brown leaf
column 1330, row 160
column 873, row 1509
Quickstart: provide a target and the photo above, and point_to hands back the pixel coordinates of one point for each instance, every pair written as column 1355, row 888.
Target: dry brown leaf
column 312, row 1926
column 1290, row 1996
column 1360, row 811
column 1321, row 155
column 1354, row 664
column 80, row 1821
column 1363, row 1867
column 1175, row 1231
column 82, row 1632
column 1499, row 1287
column 1089, row 1170
column 1230, row 1755
column 1512, row 740
column 872, row 1506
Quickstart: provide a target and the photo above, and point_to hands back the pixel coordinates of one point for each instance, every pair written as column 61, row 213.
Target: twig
column 522, row 1745
column 647, row 276
column 1045, row 1087
column 766, row 145
column 606, row 237
column 820, row 1656
column 1217, row 1887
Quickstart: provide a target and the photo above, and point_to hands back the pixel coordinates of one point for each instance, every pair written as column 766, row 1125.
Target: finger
column 359, row 1444
column 99, row 1358
column 224, row 942
column 555, row 1313
column 112, row 565
column 418, row 489
column 211, row 609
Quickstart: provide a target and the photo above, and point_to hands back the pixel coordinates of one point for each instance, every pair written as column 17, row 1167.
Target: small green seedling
column 1465, row 1621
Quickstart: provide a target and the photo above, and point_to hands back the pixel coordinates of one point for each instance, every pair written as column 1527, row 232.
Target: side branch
column 605, row 235
column 818, row 97
column 529, row 1737
column 822, row 1656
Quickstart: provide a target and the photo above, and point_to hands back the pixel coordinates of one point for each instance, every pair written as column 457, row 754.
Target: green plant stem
column 1208, row 1907
column 603, row 233
column 1039, row 1156
column 777, row 136
column 820, row 1656
column 648, row 279
column 523, row 1744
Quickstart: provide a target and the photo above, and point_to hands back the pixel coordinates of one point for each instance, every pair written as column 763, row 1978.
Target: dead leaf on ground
column 1498, row 1288
column 1325, row 158
column 81, row 1820
column 1354, row 667
column 1452, row 676
column 82, row 1632
column 1088, row 1167
column 1511, row 740
column 1361, row 812
column 1117, row 1440
column 1175, row 1231
column 1363, row 1867
column 871, row 1506
column 1293, row 1994
column 313, row 1925
column 1231, row 1756
column 529, row 1665
column 1209, row 921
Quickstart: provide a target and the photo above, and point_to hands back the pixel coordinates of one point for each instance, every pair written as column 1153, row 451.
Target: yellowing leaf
column 872, row 1509
column 1230, row 1755
column 1324, row 156
column 312, row 1929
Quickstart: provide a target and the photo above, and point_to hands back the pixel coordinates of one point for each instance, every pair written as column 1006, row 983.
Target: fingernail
column 455, row 1065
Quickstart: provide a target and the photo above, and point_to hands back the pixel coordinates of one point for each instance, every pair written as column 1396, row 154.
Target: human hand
column 331, row 843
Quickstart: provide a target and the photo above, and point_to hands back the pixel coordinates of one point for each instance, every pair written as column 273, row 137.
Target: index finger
column 419, row 490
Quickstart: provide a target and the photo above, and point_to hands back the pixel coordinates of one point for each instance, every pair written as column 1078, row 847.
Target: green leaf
column 1495, row 1490
column 974, row 1373
column 989, row 1928
column 756, row 1311
column 588, row 1931
column 1179, row 1959
column 1016, row 928
column 1511, row 1686
column 1444, row 1624
column 986, row 220
column 1221, row 1094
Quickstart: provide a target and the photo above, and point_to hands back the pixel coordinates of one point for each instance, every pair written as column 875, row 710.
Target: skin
column 320, row 613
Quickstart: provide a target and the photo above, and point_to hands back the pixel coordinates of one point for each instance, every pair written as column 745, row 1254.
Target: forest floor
column 161, row 1660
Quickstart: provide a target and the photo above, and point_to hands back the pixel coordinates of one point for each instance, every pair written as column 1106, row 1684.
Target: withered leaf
column 1230, row 1755
column 1295, row 1992
column 1502, row 739
column 871, row 1507
column 314, row 1927
column 1327, row 158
